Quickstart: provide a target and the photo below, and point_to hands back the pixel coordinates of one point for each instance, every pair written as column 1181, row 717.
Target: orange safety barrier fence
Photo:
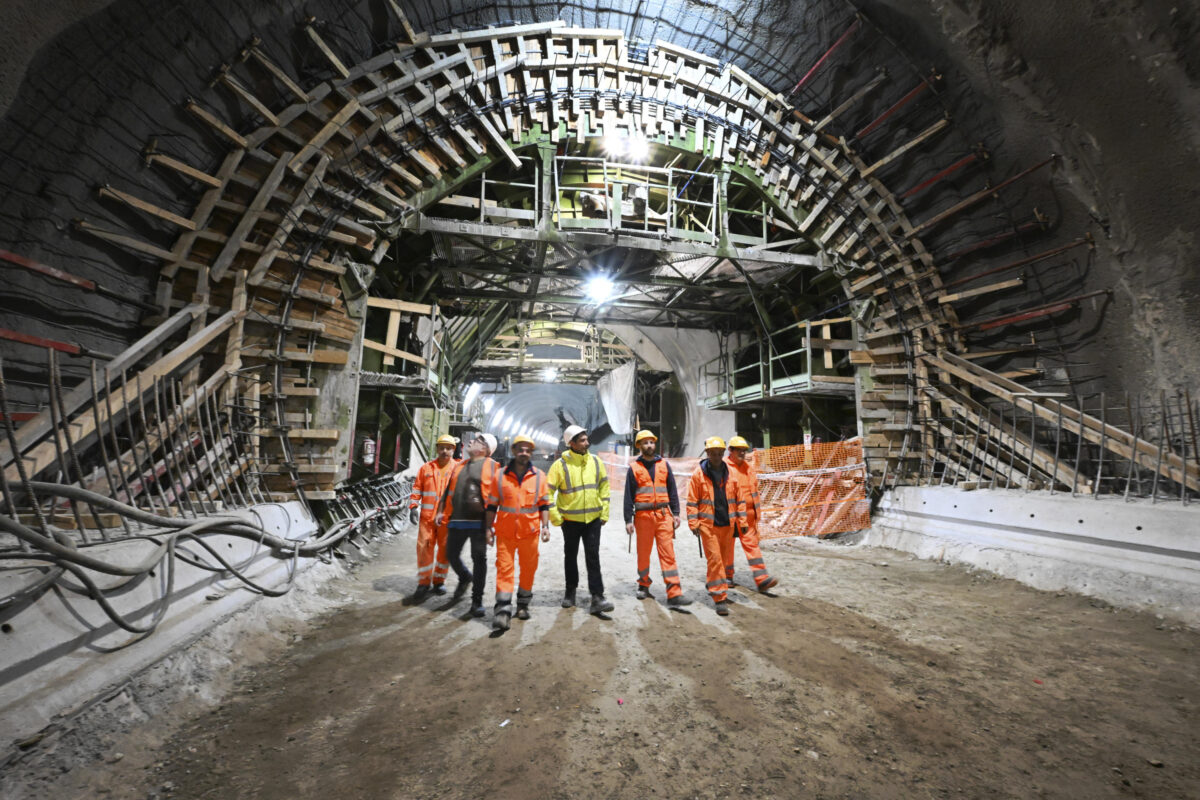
column 804, row 490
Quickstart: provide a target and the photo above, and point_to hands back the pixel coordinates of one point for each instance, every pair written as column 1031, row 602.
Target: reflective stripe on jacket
column 519, row 503
column 428, row 487
column 700, row 498
column 578, row 488
column 650, row 493
column 747, row 477
column 486, row 486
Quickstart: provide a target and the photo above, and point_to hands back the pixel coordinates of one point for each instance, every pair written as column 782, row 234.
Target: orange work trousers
column 754, row 556
column 718, row 545
column 657, row 528
column 510, row 549
column 430, row 540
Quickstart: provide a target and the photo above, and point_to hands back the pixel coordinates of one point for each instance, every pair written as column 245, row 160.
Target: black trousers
column 455, row 539
column 589, row 534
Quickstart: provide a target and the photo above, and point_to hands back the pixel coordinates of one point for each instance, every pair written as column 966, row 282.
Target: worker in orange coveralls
column 427, row 488
column 714, row 506
column 652, row 510
column 747, row 478
column 521, row 503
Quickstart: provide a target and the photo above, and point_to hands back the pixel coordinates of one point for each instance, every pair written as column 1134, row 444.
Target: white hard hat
column 490, row 440
column 571, row 432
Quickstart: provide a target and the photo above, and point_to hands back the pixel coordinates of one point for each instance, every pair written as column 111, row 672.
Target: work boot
column 420, row 594
column 600, row 605
column 768, row 584
column 723, row 608
column 501, row 621
column 461, row 588
column 679, row 601
column 643, row 592
column 439, row 589
column 568, row 600
column 522, row 612
column 477, row 610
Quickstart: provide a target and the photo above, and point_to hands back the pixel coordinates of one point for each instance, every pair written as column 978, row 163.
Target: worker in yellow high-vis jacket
column 578, row 484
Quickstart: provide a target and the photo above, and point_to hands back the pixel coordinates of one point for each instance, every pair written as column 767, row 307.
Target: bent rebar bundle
column 180, row 470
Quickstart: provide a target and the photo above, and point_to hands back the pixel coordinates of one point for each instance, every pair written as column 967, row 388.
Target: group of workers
column 477, row 500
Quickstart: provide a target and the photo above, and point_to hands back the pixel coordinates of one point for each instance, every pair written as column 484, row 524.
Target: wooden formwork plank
column 43, row 455
column 246, row 224
column 392, row 351
column 1118, row 441
column 289, row 221
column 322, row 137
column 214, row 122
column 203, row 213
column 330, row 56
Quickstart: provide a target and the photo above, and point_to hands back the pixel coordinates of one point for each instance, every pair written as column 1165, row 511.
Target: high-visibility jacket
column 428, row 487
column 701, row 497
column 652, row 494
column 578, row 488
column 519, row 503
column 747, row 477
column 487, row 486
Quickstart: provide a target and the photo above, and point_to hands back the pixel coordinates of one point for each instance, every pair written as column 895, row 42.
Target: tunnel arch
column 307, row 246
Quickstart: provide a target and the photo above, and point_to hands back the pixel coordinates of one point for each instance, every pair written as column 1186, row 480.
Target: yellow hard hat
column 446, row 438
column 714, row 441
column 738, row 441
column 523, row 440
column 644, row 435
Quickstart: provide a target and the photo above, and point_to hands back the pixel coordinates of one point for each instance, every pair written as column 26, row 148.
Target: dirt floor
column 867, row 674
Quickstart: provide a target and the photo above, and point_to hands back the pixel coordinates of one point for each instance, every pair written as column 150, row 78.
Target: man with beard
column 579, row 505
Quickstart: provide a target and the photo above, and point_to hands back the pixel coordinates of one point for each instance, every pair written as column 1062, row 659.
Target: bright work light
column 599, row 288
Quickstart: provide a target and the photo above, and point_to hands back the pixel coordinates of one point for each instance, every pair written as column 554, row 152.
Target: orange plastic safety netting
column 812, row 490
column 804, row 490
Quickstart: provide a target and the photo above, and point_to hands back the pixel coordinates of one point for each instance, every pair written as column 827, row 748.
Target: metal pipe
column 151, row 463
column 1103, row 439
column 1162, row 437
column 133, row 448
column 948, row 171
column 854, row 26
column 56, row 397
column 58, row 449
column 925, row 83
column 1022, row 262
column 1039, row 224
column 1133, row 430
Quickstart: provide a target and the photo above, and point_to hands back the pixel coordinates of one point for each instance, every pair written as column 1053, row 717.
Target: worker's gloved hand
column 545, row 533
column 695, row 531
column 629, row 528
column 414, row 516
column 677, row 523
column 491, row 536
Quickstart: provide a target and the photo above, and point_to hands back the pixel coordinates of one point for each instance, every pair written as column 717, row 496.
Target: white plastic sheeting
column 616, row 393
